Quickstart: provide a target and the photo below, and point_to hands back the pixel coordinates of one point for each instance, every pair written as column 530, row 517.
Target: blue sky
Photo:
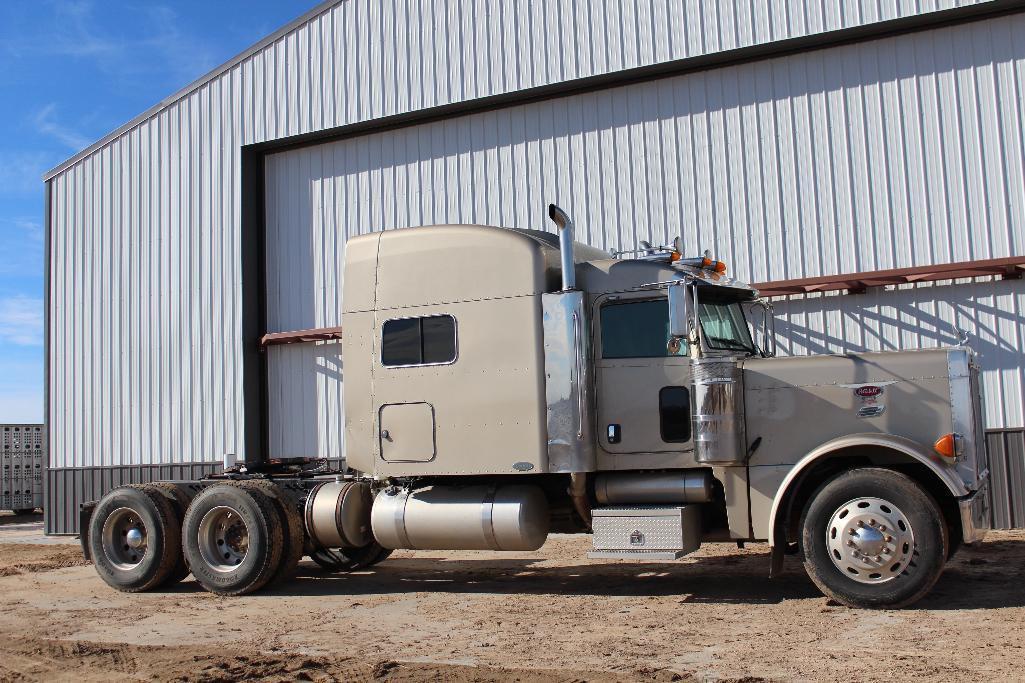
column 70, row 72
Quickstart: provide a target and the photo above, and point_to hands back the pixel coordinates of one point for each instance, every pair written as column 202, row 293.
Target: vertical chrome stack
column 21, row 466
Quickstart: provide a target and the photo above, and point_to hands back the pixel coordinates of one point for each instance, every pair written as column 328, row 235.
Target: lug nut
column 851, row 532
column 860, row 523
column 871, row 522
column 889, row 539
column 878, row 559
column 850, row 543
column 886, row 551
column 882, row 527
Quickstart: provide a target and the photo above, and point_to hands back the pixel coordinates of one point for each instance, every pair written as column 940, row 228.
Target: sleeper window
column 419, row 341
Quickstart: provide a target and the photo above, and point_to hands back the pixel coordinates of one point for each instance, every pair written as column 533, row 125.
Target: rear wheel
column 232, row 539
column 293, row 534
column 180, row 497
column 350, row 559
column 873, row 537
column 134, row 538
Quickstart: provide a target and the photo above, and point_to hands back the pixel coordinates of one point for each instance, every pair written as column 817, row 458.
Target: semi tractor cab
column 504, row 384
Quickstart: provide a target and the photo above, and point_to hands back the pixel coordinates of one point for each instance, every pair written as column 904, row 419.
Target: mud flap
column 776, row 554
column 85, row 515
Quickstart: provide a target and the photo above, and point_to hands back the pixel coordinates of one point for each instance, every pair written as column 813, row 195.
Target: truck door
column 643, row 385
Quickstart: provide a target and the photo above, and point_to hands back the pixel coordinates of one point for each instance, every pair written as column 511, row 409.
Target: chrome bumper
column 975, row 513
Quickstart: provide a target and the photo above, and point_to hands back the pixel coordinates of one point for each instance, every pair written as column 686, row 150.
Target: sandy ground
column 547, row 616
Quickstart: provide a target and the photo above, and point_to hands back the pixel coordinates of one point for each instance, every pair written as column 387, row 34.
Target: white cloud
column 22, row 252
column 22, row 172
column 21, row 321
column 157, row 44
column 46, row 123
column 21, row 406
column 75, row 34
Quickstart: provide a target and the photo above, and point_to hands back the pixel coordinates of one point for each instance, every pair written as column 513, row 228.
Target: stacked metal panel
column 22, row 457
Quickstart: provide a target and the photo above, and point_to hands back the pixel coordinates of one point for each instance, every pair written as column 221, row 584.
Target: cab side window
column 429, row 340
column 637, row 329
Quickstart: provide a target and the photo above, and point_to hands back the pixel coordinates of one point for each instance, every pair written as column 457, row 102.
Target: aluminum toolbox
column 646, row 531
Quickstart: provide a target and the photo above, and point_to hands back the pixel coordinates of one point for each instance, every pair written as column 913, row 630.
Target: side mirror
column 679, row 311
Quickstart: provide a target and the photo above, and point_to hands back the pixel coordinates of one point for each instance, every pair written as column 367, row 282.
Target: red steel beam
column 301, row 336
column 1010, row 267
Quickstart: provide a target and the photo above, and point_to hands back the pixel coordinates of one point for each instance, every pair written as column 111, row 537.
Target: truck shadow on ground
column 9, row 519
column 993, row 576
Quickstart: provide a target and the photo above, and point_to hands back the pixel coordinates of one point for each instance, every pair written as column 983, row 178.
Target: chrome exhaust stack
column 561, row 219
column 568, row 389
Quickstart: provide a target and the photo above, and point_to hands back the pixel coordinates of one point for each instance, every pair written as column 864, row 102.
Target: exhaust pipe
column 559, row 217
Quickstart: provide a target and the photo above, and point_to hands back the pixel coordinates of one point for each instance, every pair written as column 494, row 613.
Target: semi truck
column 503, row 384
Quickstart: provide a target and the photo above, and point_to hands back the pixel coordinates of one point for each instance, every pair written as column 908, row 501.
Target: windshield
column 723, row 327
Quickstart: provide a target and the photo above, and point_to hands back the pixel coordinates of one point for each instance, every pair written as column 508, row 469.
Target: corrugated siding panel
column 146, row 354
column 991, row 312
column 1007, row 478
column 828, row 162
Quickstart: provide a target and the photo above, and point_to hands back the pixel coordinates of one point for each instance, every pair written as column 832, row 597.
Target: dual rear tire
column 135, row 539
column 234, row 537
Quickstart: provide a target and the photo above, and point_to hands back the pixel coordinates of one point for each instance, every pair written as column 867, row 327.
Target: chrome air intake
column 718, row 398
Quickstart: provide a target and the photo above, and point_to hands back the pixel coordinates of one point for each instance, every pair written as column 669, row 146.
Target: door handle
column 614, row 433
column 385, row 435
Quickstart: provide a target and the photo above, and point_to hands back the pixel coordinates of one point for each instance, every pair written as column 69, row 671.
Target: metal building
column 817, row 146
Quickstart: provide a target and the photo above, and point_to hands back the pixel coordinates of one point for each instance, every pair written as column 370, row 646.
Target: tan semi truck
column 505, row 384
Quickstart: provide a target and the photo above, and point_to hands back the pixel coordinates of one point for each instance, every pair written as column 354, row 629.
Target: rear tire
column 874, row 538
column 25, row 511
column 232, row 538
column 134, row 538
column 293, row 533
column 180, row 498
column 350, row 559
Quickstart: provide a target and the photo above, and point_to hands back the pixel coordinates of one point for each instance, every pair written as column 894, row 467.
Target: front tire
column 874, row 538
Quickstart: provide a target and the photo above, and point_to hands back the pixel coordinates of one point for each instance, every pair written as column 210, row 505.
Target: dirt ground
column 547, row 616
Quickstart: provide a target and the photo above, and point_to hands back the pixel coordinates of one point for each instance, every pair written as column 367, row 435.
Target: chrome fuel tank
column 461, row 518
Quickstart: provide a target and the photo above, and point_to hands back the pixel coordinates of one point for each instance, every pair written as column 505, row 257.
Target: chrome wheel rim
column 223, row 539
column 124, row 539
column 870, row 540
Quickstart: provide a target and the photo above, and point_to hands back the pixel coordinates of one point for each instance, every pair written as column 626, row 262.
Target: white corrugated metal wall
column 145, row 293
column 882, row 154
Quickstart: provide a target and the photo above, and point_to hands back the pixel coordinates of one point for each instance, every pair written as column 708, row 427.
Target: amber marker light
column 720, row 267
column 946, row 447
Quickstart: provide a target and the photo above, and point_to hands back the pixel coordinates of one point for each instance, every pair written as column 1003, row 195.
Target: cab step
column 645, row 532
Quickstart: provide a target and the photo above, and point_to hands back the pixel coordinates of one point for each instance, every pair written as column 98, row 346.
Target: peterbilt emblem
column 868, row 391
column 636, row 538
column 523, row 466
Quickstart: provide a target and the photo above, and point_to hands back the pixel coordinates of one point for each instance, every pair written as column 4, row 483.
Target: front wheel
column 873, row 538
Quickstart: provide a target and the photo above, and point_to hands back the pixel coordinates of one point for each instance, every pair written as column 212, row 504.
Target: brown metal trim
column 855, row 283
column 301, row 336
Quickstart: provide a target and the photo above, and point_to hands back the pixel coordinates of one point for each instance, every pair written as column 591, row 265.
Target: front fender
column 897, row 444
